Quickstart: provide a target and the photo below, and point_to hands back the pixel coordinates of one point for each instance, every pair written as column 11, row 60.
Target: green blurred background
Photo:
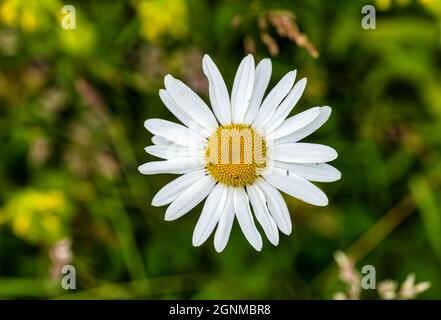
column 72, row 106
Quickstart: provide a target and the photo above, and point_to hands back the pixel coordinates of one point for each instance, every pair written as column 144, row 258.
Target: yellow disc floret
column 235, row 155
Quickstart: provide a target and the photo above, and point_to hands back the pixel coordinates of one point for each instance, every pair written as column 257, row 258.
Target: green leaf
column 429, row 210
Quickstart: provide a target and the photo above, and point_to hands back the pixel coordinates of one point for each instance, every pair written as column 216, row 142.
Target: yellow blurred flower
column 383, row 4
column 387, row 4
column 430, row 5
column 28, row 20
column 161, row 18
column 80, row 41
column 433, row 6
column 38, row 216
column 28, row 15
column 9, row 12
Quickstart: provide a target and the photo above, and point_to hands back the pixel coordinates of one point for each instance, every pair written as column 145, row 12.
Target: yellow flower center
column 235, row 155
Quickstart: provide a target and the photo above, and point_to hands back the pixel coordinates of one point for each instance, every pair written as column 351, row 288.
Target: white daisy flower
column 239, row 153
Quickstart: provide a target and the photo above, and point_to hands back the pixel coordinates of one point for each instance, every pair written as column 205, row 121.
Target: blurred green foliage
column 72, row 106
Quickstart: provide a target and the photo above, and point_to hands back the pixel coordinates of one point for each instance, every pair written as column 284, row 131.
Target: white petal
column 261, row 80
column 302, row 153
column 157, row 140
column 174, row 108
column 174, row 152
column 325, row 112
column 262, row 214
column 245, row 219
column 273, row 99
column 173, row 189
column 294, row 123
column 174, row 132
column 242, row 89
column 174, row 166
column 219, row 98
column 210, row 215
column 190, row 102
column 296, row 186
column 286, row 106
column 225, row 223
column 276, row 205
column 190, row 198
column 179, row 113
column 320, row 172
